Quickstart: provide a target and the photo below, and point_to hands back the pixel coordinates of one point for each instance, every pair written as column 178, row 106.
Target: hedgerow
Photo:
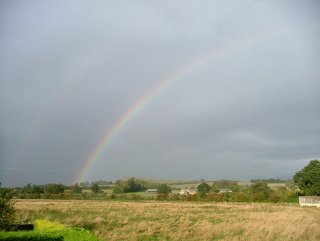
column 30, row 236
column 49, row 231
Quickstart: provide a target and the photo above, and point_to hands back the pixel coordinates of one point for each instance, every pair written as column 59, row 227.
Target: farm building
column 188, row 191
column 224, row 190
column 309, row 201
column 152, row 191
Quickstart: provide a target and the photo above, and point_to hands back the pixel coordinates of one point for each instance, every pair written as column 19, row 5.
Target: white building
column 152, row 191
column 224, row 190
column 309, row 201
column 188, row 191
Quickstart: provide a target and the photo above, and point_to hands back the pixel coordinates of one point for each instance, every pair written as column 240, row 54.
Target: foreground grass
column 46, row 230
column 65, row 235
column 115, row 220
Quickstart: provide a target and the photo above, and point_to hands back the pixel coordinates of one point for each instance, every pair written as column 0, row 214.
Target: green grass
column 30, row 236
column 175, row 221
column 50, row 231
column 69, row 233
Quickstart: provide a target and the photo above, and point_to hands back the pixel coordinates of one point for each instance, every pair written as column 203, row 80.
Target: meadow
column 155, row 220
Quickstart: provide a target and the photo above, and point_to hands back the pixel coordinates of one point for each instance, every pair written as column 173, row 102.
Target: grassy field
column 116, row 220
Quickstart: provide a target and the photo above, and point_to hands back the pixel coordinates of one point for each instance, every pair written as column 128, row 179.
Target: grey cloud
column 70, row 69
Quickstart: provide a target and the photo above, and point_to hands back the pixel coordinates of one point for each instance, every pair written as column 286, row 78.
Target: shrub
column 162, row 196
column 6, row 206
column 164, row 189
column 216, row 197
column 203, row 187
column 175, row 197
column 192, row 197
column 240, row 197
column 258, row 197
column 46, row 225
column 260, row 191
column 274, row 197
column 96, row 188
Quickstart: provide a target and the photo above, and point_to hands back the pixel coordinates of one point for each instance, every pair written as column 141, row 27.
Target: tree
column 6, row 206
column 76, row 189
column 214, row 188
column 132, row 186
column 260, row 191
column 164, row 189
column 53, row 188
column 308, row 179
column 95, row 188
column 203, row 187
column 118, row 188
column 36, row 189
column 32, row 190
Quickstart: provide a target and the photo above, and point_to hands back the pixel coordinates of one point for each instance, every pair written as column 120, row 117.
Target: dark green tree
column 7, row 211
column 203, row 187
column 308, row 179
column 76, row 189
column 27, row 189
column 31, row 191
column 36, row 189
column 95, row 188
column 118, row 187
column 53, row 188
column 132, row 186
column 164, row 189
column 260, row 191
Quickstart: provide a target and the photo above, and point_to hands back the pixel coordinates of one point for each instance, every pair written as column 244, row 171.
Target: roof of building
column 152, row 190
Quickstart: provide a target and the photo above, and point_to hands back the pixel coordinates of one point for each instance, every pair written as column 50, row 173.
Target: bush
column 175, row 197
column 258, row 197
column 162, row 196
column 260, row 191
column 6, row 206
column 243, row 197
column 164, row 189
column 46, row 225
column 203, row 187
column 96, row 188
column 17, row 227
column 216, row 197
column 274, row 197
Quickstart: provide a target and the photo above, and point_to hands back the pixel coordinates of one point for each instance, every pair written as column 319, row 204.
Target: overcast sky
column 70, row 69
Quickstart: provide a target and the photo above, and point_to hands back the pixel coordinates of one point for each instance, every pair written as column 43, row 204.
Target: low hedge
column 17, row 227
column 29, row 236
column 45, row 230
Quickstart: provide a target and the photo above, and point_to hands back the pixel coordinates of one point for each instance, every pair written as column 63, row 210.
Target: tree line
column 306, row 182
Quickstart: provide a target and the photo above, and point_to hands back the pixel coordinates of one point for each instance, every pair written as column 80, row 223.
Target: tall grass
column 115, row 220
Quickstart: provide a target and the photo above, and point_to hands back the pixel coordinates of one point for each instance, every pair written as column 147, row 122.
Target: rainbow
column 121, row 122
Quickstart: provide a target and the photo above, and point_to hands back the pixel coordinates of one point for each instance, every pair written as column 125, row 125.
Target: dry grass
column 114, row 220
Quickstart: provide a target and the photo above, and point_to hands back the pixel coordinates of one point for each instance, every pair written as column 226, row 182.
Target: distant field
column 116, row 220
column 276, row 185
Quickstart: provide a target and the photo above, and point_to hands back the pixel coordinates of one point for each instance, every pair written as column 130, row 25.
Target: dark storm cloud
column 70, row 69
